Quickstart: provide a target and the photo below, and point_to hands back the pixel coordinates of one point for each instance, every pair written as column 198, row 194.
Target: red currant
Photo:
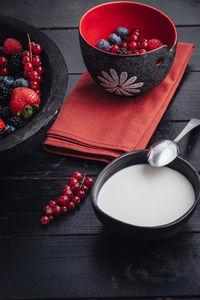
column 77, row 175
column 88, row 182
column 75, row 188
column 124, row 44
column 72, row 181
column 25, row 53
column 114, row 48
column 48, row 210
column 36, row 49
column 133, row 45
column 57, row 210
column 44, row 220
column 65, row 188
column 76, row 200
column 70, row 205
column 40, row 70
column 3, row 61
column 84, row 188
column 64, row 210
column 38, row 92
column 34, row 85
column 39, row 80
column 34, row 75
column 4, row 71
column 51, row 218
column 52, row 203
column 26, row 59
column 62, row 200
column 28, row 66
column 69, row 194
column 144, row 45
column 26, row 74
column 134, row 38
column 36, row 61
column 141, row 51
column 81, row 194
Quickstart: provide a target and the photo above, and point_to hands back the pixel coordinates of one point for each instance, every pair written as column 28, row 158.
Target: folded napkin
column 97, row 125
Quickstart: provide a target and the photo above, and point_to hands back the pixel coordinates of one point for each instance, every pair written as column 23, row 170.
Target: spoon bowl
column 162, row 153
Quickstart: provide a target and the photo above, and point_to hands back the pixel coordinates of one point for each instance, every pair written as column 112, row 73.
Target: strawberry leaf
column 27, row 112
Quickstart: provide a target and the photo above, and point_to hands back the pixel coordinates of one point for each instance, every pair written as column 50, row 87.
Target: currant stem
column 30, row 47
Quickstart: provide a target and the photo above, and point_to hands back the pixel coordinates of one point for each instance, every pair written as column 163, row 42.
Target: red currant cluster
column 3, row 66
column 32, row 66
column 73, row 193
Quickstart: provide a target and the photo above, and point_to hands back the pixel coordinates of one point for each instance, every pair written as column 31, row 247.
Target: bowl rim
column 56, row 96
column 138, row 227
column 132, row 3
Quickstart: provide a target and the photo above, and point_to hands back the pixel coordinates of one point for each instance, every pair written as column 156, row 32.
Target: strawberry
column 24, row 101
column 2, row 124
column 11, row 46
column 154, row 44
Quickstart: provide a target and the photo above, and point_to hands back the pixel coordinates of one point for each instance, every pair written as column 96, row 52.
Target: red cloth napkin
column 97, row 125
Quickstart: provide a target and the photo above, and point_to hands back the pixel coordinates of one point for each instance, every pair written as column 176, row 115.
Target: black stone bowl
column 53, row 88
column 127, row 75
column 144, row 233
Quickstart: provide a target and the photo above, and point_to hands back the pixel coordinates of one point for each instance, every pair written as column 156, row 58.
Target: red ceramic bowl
column 127, row 75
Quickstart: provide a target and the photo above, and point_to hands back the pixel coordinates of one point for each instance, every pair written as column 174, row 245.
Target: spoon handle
column 190, row 125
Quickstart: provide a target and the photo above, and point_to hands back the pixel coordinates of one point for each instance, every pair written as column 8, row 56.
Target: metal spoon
column 163, row 152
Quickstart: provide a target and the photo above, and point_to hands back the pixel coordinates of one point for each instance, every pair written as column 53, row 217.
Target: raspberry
column 154, row 44
column 11, row 46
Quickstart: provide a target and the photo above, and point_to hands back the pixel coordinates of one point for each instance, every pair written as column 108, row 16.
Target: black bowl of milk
column 137, row 200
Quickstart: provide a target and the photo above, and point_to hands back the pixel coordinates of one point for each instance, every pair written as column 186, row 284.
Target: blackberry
column 123, row 51
column 5, row 94
column 15, row 65
column 15, row 121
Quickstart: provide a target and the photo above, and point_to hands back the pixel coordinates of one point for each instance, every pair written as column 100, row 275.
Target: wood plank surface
column 98, row 266
column 37, row 163
column 67, row 13
column 22, row 207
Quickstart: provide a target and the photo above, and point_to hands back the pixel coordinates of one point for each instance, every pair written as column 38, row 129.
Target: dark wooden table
column 77, row 257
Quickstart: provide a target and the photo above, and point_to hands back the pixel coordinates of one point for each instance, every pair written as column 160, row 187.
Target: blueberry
column 115, row 39
column 8, row 80
column 8, row 130
column 6, row 111
column 20, row 82
column 1, row 78
column 103, row 45
column 122, row 31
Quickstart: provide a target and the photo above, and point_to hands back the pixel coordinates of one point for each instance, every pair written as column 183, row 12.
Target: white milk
column 146, row 196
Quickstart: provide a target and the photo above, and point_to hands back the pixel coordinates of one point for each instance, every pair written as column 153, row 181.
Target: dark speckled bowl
column 127, row 75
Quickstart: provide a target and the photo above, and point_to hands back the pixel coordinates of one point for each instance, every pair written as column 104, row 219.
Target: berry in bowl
column 128, row 48
column 33, row 75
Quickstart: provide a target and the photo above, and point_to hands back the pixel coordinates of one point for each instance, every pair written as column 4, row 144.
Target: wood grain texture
column 68, row 43
column 76, row 257
column 98, row 266
column 67, row 13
